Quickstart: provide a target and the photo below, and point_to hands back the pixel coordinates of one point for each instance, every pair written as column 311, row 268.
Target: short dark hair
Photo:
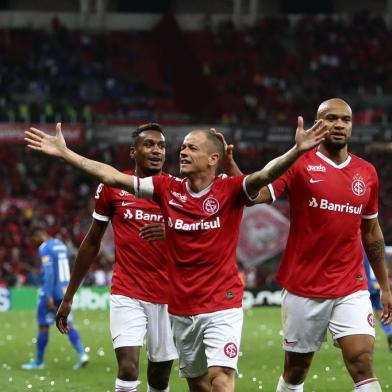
column 146, row 127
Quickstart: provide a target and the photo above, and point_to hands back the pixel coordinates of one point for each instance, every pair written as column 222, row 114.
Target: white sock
column 151, row 389
column 126, row 386
column 284, row 387
column 369, row 385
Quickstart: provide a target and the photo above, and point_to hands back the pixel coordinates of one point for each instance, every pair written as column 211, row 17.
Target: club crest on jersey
column 230, row 350
column 358, row 186
column 370, row 319
column 210, row 205
column 316, row 168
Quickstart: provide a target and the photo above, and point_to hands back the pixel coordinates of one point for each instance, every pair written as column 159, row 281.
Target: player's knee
column 222, row 380
column 128, row 371
column 361, row 365
column 158, row 374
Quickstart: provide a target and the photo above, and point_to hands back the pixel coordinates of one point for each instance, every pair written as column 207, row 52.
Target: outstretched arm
column 305, row 140
column 56, row 146
column 86, row 255
column 373, row 242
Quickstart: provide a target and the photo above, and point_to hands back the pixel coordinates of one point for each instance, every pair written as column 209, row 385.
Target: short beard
column 153, row 171
column 333, row 146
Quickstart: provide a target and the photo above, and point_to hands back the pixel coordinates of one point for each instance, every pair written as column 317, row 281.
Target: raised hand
column 153, row 232
column 47, row 144
column 312, row 137
column 227, row 161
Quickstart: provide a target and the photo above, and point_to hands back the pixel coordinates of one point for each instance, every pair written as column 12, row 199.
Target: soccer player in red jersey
column 138, row 303
column 202, row 216
column 333, row 198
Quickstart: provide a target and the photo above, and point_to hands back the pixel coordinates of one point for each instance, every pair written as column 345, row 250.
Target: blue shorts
column 375, row 299
column 45, row 317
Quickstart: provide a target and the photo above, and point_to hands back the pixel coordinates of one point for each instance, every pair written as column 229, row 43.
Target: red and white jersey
column 323, row 256
column 140, row 269
column 202, row 232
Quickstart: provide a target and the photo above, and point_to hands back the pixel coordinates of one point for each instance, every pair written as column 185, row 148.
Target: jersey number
column 64, row 274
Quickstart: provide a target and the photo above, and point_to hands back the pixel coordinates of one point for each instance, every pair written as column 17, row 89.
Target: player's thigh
column 188, row 338
column 128, row 321
column 305, row 322
column 160, row 342
column 352, row 315
column 222, row 338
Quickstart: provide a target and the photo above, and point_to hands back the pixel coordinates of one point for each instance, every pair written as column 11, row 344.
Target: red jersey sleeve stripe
column 100, row 217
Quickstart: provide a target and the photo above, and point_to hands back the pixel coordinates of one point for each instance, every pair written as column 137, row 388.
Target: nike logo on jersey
column 173, row 203
column 125, row 203
column 314, row 180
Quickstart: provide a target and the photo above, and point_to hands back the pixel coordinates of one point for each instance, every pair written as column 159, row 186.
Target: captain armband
column 143, row 187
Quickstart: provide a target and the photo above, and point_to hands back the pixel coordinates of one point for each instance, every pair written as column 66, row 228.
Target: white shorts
column 208, row 339
column 306, row 320
column 131, row 320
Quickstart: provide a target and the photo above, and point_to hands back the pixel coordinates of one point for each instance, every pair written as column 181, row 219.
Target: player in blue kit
column 55, row 276
column 374, row 290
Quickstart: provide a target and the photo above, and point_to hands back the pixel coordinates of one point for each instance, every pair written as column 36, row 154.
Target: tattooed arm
column 56, row 146
column 305, row 140
column 373, row 242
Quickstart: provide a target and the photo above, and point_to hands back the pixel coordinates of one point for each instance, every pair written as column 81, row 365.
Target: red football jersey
column 323, row 256
column 140, row 269
column 202, row 232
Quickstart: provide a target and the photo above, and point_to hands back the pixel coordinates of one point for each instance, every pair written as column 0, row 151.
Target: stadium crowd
column 265, row 74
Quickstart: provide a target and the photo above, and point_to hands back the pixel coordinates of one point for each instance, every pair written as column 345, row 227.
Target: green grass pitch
column 259, row 366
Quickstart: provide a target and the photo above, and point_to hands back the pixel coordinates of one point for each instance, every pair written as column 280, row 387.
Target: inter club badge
column 210, row 205
column 358, row 185
column 370, row 319
column 231, row 350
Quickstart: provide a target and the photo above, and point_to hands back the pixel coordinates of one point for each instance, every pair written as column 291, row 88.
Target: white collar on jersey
column 332, row 163
column 198, row 194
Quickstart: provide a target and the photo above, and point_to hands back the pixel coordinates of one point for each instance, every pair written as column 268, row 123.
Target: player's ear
column 132, row 152
column 213, row 159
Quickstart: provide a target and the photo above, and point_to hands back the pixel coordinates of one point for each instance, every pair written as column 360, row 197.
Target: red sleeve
column 281, row 185
column 160, row 183
column 371, row 209
column 103, row 207
column 238, row 188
